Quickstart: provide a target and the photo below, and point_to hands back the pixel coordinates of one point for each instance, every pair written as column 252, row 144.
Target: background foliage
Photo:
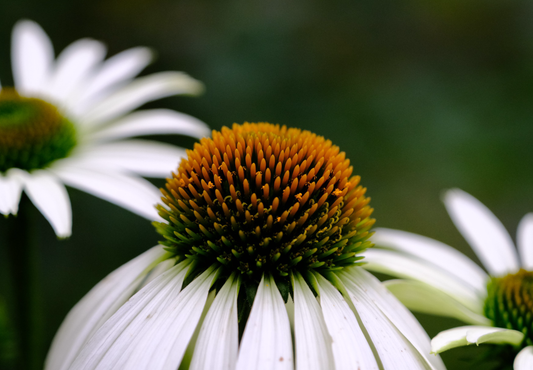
column 423, row 96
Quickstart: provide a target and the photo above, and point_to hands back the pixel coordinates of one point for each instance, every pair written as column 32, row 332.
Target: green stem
column 23, row 266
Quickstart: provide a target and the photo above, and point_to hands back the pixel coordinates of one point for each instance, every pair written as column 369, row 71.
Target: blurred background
column 422, row 96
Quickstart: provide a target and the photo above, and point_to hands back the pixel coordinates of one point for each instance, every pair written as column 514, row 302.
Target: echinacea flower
column 264, row 230
column 442, row 281
column 63, row 123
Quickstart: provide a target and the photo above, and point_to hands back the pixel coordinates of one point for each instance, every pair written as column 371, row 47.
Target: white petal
column 50, row 196
column 400, row 316
column 421, row 297
column 140, row 91
column 135, row 194
column 151, row 122
column 73, row 67
column 145, row 158
column 394, row 350
column 483, row 231
column 524, row 359
column 312, row 340
column 32, row 57
column 351, row 350
column 105, row 348
column 464, row 335
column 435, row 252
column 266, row 343
column 97, row 306
column 524, row 239
column 396, row 264
column 114, row 71
column 10, row 191
column 218, row 342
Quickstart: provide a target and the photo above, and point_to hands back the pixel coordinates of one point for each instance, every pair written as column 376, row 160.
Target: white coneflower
column 264, row 230
column 442, row 281
column 63, row 121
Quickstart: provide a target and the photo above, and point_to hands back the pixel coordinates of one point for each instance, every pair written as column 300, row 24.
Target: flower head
column 62, row 122
column 440, row 280
column 264, row 228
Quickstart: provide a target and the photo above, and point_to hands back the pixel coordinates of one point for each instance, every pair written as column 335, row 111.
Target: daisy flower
column 63, row 122
column 442, row 281
column 264, row 231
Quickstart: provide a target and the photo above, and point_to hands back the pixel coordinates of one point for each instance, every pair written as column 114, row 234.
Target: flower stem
column 23, row 266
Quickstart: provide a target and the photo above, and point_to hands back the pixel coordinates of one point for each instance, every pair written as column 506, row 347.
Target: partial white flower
column 252, row 275
column 437, row 279
column 63, row 121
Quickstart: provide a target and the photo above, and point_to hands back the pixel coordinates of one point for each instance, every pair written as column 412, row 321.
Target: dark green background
column 422, row 95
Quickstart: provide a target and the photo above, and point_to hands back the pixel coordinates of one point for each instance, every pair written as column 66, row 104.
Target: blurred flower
column 63, row 123
column 443, row 281
column 264, row 230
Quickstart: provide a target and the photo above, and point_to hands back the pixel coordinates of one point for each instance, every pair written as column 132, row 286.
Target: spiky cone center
column 259, row 198
column 509, row 303
column 33, row 133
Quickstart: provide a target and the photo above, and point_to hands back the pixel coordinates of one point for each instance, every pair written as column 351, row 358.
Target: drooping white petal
column 50, row 197
column 140, row 91
column 396, row 264
column 464, row 335
column 312, row 340
column 115, row 71
column 398, row 314
column 32, row 55
column 151, row 122
column 483, row 231
column 421, row 297
column 266, row 343
column 72, row 69
column 10, row 191
column 524, row 239
column 132, row 193
column 524, row 359
column 394, row 350
column 351, row 350
column 161, row 344
column 218, row 342
column 105, row 347
column 97, row 306
column 143, row 157
column 435, row 252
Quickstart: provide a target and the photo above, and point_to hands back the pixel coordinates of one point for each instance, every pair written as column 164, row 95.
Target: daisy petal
column 524, row 239
column 51, row 199
column 400, row 316
column 10, row 191
column 114, row 71
column 394, row 350
column 140, row 91
column 117, row 335
column 162, row 341
column 435, row 252
column 72, row 68
column 464, row 335
column 351, row 350
column 312, row 340
column 524, row 359
column 152, row 122
column 483, row 231
column 146, row 158
column 218, row 342
column 32, row 57
column 421, row 297
column 395, row 264
column 135, row 194
column 97, row 306
column 266, row 342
